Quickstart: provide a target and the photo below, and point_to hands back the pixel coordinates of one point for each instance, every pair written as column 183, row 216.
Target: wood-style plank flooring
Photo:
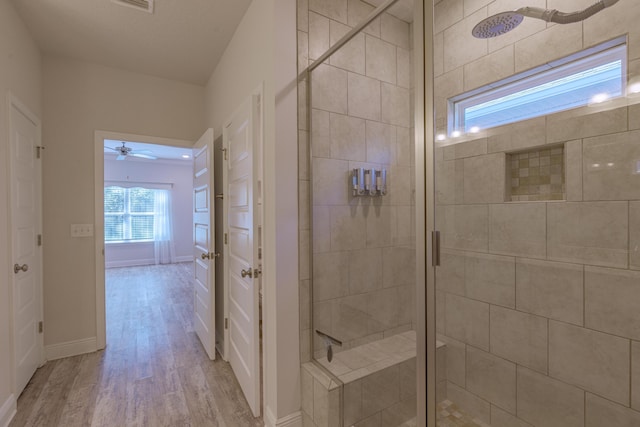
column 154, row 371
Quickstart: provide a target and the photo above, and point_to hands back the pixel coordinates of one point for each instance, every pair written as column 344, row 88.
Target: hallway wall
column 80, row 98
column 20, row 74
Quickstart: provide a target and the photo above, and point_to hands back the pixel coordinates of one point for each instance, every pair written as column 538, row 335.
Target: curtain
column 164, row 249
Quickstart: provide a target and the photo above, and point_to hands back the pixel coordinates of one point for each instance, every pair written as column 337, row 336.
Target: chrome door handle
column 17, row 268
column 245, row 273
column 210, row 255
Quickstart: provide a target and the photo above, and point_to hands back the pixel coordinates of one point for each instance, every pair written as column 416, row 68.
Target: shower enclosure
column 537, row 202
column 358, row 212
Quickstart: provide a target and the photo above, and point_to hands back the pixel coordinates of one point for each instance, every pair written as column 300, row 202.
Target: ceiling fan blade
column 121, row 157
column 114, row 149
column 148, row 152
column 143, row 156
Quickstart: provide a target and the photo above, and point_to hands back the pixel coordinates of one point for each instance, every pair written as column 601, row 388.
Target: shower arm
column 553, row 15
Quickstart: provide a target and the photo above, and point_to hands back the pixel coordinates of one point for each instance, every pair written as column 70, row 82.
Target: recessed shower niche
column 537, row 174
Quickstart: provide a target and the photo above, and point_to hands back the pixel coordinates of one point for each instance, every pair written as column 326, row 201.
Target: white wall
column 80, row 98
column 20, row 74
column 178, row 173
column 263, row 51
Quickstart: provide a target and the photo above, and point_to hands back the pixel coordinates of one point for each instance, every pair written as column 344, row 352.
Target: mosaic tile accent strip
column 449, row 415
column 537, row 174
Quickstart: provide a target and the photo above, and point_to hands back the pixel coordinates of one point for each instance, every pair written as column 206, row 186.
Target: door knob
column 205, row 256
column 245, row 273
column 17, row 268
column 210, row 255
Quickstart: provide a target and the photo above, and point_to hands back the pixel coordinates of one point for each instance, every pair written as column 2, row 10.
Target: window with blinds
column 128, row 214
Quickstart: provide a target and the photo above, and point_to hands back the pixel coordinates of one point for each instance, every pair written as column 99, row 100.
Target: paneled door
column 242, row 271
column 26, row 208
column 203, row 242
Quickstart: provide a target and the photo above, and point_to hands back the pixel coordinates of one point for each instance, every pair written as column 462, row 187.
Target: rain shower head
column 501, row 23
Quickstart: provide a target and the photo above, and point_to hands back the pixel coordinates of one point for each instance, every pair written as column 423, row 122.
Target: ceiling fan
column 124, row 151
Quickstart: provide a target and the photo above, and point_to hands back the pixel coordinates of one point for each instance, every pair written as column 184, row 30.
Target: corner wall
column 80, row 98
column 20, row 74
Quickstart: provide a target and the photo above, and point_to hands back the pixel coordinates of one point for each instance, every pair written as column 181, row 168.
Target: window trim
column 586, row 59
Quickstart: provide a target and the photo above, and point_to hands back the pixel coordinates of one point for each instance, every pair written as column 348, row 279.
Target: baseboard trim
column 8, row 410
column 70, row 348
column 141, row 262
column 291, row 420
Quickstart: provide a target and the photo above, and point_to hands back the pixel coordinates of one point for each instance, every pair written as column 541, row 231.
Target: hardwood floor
column 154, row 371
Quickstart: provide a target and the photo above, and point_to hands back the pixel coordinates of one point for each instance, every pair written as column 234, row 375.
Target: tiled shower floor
column 450, row 416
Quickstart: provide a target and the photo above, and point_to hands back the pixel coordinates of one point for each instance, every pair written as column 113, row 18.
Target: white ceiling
column 182, row 40
column 164, row 152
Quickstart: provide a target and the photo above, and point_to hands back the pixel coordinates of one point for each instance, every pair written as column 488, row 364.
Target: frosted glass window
column 568, row 83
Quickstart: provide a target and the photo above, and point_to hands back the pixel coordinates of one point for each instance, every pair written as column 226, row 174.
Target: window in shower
column 589, row 77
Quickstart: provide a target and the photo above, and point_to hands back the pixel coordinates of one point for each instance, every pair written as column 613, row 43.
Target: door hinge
column 40, row 327
column 226, row 238
column 220, row 196
column 259, row 253
column 435, row 248
column 39, row 239
column 226, row 323
column 39, row 148
column 224, row 151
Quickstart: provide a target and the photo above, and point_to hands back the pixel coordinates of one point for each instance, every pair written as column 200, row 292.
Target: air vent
column 146, row 5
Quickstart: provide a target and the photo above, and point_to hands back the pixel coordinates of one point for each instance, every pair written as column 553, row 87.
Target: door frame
column 14, row 102
column 99, row 137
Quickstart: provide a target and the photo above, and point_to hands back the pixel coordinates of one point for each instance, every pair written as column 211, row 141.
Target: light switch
column 81, row 230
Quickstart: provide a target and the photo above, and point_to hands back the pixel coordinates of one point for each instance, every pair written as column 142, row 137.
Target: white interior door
column 203, row 242
column 25, row 242
column 242, row 271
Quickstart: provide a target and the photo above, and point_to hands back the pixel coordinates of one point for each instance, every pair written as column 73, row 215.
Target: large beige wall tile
column 460, row 47
column 398, row 266
column 580, row 123
column 394, row 30
column 611, row 167
column 519, row 337
column 364, row 97
column 469, row 402
column 381, row 226
column 484, row 179
column 550, row 289
column 467, row 320
column 404, row 71
column 329, row 89
column 381, row 141
column 449, row 182
column 450, row 273
column 348, row 229
column 303, row 15
column 380, row 390
column 329, row 177
column 347, row 138
column 573, row 170
column 357, row 12
column 517, row 136
column 351, row 56
column 612, row 298
column 601, row 412
column 303, row 50
column 365, row 270
column 543, row 401
column 492, row 378
column 500, row 418
column 399, row 185
column 527, row 28
column 518, row 229
column 381, row 60
column 613, row 22
column 471, row 6
column 384, row 309
column 591, row 360
column 352, row 402
column 558, row 41
column 441, row 312
column 320, row 133
column 456, row 352
column 438, row 54
column 330, row 275
column 477, row 147
column 447, row 13
column 634, row 117
column 634, row 235
column 396, row 105
column 488, row 69
column 318, row 35
column 490, row 278
column 592, row 233
column 348, row 316
column 321, row 229
column 334, row 9
column 445, row 86
column 635, row 375
column 464, row 227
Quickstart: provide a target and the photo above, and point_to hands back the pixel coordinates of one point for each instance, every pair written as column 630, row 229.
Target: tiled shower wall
column 361, row 116
column 539, row 302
